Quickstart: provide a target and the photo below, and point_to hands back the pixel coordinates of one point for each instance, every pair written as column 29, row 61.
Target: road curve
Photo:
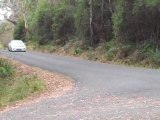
column 103, row 91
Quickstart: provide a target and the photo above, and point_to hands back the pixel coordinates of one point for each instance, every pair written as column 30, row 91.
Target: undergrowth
column 144, row 55
column 15, row 86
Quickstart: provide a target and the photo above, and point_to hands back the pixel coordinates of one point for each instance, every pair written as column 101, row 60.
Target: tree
column 9, row 7
column 91, row 22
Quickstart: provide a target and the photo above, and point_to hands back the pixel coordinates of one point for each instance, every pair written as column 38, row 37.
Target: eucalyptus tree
column 9, row 7
column 25, row 7
column 17, row 8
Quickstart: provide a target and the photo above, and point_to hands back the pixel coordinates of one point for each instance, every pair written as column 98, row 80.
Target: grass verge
column 144, row 56
column 14, row 85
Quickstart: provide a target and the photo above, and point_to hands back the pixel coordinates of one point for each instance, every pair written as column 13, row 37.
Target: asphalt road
column 103, row 91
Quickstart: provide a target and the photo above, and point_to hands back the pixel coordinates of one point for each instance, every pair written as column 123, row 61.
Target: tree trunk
column 91, row 22
column 102, row 14
column 110, row 6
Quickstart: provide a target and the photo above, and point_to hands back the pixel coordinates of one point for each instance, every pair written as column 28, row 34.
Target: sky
column 1, row 16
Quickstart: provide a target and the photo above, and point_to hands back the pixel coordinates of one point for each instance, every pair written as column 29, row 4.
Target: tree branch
column 11, row 21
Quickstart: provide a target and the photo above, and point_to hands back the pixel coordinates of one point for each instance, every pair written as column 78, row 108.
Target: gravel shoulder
column 56, row 85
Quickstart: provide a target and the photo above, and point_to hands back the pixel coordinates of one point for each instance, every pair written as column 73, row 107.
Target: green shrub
column 82, row 20
column 15, row 86
column 26, row 86
column 78, row 51
column 40, row 20
column 63, row 26
column 19, row 30
column 20, row 89
column 44, row 25
column 6, row 69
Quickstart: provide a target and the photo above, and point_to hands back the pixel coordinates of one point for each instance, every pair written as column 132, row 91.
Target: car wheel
column 11, row 50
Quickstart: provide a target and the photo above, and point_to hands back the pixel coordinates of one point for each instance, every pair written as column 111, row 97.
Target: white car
column 17, row 45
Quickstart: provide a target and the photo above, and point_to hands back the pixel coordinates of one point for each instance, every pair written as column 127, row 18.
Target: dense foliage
column 126, row 20
column 130, row 25
column 19, row 30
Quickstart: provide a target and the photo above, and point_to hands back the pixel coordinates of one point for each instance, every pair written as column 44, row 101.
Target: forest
column 126, row 31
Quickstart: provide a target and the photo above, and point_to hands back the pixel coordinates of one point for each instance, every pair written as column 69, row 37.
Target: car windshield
column 17, row 42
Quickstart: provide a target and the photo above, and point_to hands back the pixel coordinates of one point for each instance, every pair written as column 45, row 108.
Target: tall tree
column 91, row 22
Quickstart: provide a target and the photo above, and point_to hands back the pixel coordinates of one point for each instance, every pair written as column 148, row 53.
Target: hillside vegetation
column 6, row 33
column 126, row 31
